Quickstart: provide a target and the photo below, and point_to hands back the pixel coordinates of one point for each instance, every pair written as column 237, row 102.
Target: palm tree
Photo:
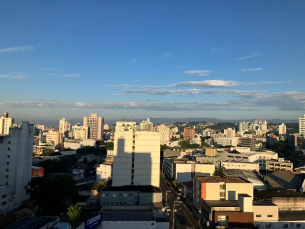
column 74, row 213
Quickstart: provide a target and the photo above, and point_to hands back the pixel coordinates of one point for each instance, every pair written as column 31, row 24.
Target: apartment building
column 136, row 156
column 164, row 134
column 52, row 137
column 189, row 133
column 279, row 164
column 5, row 123
column 64, row 127
column 80, row 132
column 302, row 125
column 147, row 125
column 15, row 165
column 282, row 129
column 95, row 125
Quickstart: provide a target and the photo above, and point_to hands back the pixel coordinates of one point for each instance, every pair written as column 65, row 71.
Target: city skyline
column 227, row 60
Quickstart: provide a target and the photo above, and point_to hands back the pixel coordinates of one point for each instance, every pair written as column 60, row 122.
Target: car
column 167, row 207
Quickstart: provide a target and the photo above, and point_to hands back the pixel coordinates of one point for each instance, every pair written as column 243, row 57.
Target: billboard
column 37, row 171
column 94, row 221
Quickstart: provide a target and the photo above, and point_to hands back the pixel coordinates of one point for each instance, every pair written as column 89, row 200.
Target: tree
column 204, row 144
column 51, row 194
column 109, row 145
column 185, row 144
column 74, row 213
column 220, row 171
column 163, row 147
column 173, row 139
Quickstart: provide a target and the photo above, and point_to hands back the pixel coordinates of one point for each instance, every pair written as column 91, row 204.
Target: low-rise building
column 280, row 164
column 240, row 165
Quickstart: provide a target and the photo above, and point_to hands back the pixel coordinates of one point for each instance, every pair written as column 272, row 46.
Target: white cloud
column 207, row 83
column 51, row 69
column 72, row 75
column 246, row 57
column 167, row 54
column 251, row 69
column 218, row 92
column 215, row 49
column 17, row 49
column 124, row 86
column 198, row 72
column 16, row 75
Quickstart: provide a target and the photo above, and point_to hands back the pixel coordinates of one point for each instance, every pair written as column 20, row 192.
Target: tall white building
column 136, row 156
column 164, row 134
column 80, row 132
column 52, row 137
column 147, row 125
column 5, row 124
column 95, row 125
column 64, row 127
column 302, row 126
column 282, row 129
column 16, row 152
column 229, row 133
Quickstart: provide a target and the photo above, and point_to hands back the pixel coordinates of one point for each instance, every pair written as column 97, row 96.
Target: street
column 183, row 217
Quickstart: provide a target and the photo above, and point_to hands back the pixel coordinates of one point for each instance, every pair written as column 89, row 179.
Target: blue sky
column 120, row 59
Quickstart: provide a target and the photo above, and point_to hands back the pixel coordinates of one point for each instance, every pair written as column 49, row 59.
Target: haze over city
column 232, row 60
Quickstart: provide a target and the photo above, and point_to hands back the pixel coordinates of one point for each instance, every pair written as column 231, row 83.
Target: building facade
column 16, row 163
column 136, row 156
column 5, row 124
column 189, row 133
column 302, row 125
column 95, row 125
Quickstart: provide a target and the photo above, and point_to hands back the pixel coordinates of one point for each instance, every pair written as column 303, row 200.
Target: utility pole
column 174, row 210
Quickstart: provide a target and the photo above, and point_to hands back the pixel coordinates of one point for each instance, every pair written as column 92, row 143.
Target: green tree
column 74, row 213
column 173, row 139
column 220, row 171
column 50, row 194
column 185, row 144
column 204, row 144
column 109, row 145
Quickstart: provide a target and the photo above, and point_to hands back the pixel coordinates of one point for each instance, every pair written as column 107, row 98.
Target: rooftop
column 128, row 216
column 268, row 194
column 285, row 180
column 291, row 215
column 217, row 179
column 140, row 188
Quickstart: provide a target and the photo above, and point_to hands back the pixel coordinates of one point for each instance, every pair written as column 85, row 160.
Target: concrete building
column 184, row 170
column 5, row 124
column 52, row 137
column 147, row 125
column 240, row 165
column 302, row 125
column 76, row 144
column 220, row 156
column 64, row 127
column 282, row 129
column 189, row 133
column 226, row 141
column 104, row 171
column 229, row 133
column 95, row 125
column 279, row 164
column 16, row 164
column 80, row 132
column 136, row 156
column 164, row 134
column 177, row 152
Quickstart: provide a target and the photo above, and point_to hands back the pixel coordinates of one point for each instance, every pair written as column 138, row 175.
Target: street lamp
column 176, row 203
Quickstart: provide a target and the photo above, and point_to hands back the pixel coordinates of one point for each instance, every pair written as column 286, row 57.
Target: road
column 183, row 217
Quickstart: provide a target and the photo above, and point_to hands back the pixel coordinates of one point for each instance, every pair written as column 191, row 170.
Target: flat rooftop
column 241, row 162
column 222, row 203
column 140, row 188
column 217, row 179
column 268, row 194
column 31, row 223
column 291, row 215
column 128, row 216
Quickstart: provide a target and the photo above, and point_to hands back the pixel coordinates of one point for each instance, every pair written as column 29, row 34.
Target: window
column 103, row 195
column 6, row 176
column 3, row 203
column 136, row 195
column 120, row 194
column 8, row 156
column 8, row 149
column 9, row 142
column 258, row 216
column 113, row 195
column 130, row 194
column 106, row 194
column 7, row 170
column 268, row 225
column 270, row 215
column 298, row 225
column 7, row 163
column 257, row 225
column 125, row 195
column 4, row 196
column 285, row 226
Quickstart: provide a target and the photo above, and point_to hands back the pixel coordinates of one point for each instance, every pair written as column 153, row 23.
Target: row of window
column 269, row 225
column 261, row 216
column 121, row 195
